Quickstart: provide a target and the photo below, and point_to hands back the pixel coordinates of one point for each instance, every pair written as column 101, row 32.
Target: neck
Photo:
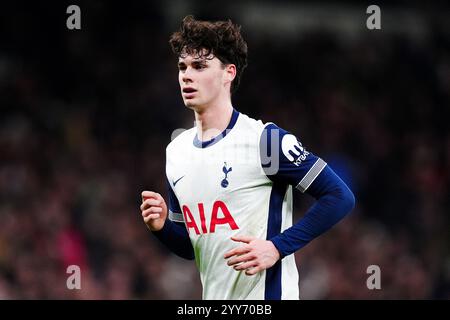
column 213, row 120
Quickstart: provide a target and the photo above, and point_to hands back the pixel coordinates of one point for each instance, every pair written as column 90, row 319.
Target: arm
column 175, row 237
column 171, row 232
column 334, row 201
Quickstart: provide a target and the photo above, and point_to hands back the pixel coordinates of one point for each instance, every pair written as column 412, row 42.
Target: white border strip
column 175, row 217
column 311, row 175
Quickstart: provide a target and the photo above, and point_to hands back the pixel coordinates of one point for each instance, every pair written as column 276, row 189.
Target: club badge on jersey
column 225, row 170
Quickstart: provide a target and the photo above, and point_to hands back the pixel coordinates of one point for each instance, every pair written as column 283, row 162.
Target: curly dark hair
column 221, row 38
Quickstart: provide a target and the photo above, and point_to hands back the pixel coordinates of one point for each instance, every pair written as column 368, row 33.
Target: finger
column 150, row 194
column 237, row 251
column 245, row 239
column 242, row 258
column 252, row 271
column 151, row 210
column 150, row 202
column 153, row 202
column 246, row 265
column 152, row 216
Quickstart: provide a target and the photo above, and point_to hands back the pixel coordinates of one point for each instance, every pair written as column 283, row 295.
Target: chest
column 217, row 172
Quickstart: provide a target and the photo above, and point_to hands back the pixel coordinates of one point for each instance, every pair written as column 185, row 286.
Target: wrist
column 276, row 251
column 277, row 248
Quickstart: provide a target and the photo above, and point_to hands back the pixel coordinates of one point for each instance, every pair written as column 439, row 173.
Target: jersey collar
column 208, row 143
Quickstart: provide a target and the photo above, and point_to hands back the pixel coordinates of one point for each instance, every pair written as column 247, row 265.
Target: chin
column 189, row 104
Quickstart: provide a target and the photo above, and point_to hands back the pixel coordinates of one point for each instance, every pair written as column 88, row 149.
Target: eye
column 199, row 66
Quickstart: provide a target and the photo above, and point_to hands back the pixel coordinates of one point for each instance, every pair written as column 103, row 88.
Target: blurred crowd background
column 85, row 116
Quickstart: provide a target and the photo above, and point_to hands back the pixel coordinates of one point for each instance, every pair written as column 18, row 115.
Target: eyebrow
column 198, row 61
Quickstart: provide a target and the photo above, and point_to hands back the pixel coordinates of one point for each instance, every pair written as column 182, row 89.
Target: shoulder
column 251, row 125
column 181, row 141
column 260, row 128
column 266, row 133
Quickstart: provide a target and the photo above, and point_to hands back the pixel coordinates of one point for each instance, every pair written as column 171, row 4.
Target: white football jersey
column 219, row 189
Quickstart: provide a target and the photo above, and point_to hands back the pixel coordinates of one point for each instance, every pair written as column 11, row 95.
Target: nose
column 186, row 76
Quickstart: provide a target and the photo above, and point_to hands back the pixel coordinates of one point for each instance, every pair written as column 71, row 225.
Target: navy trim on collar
column 208, row 143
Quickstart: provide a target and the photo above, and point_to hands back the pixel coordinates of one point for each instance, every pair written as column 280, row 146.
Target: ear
column 230, row 73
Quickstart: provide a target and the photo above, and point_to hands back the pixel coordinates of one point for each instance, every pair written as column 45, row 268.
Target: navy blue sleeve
column 334, row 201
column 174, row 234
column 175, row 237
column 285, row 160
column 175, row 213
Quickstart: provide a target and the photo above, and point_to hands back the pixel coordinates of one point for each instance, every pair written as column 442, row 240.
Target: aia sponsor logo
column 220, row 215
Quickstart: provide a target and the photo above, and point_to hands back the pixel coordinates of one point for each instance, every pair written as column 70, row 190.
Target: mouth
column 189, row 92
